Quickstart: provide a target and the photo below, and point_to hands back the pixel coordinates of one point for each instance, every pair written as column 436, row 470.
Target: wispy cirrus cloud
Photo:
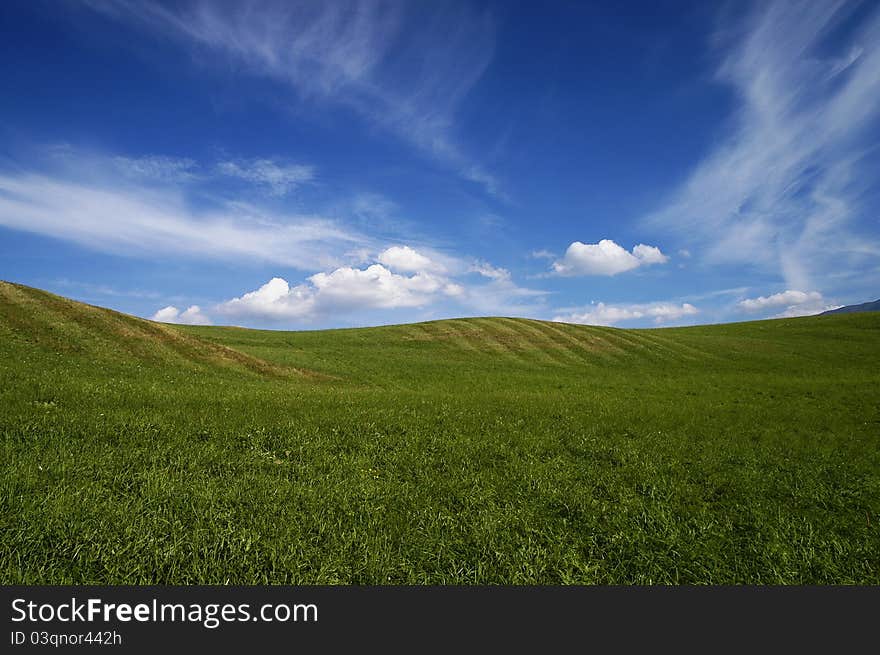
column 405, row 68
column 104, row 290
column 141, row 207
column 782, row 189
column 157, row 167
column 279, row 179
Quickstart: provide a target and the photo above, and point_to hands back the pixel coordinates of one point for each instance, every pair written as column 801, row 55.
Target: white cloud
column 453, row 290
column 492, row 272
column 796, row 303
column 783, row 188
column 274, row 300
column 276, row 178
column 123, row 217
column 605, row 258
column 806, row 310
column 649, row 254
column 602, row 314
column 193, row 315
column 401, row 67
column 376, row 212
column 279, row 179
column 341, row 291
column 376, row 287
column 96, row 202
column 788, row 297
column 166, row 314
column 404, row 258
column 404, row 279
column 156, row 167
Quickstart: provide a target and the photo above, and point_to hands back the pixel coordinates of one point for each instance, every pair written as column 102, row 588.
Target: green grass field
column 490, row 451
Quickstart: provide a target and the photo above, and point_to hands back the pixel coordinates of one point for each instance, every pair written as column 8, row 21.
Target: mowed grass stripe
column 557, row 346
column 450, row 335
column 677, row 348
column 642, row 347
column 589, row 341
column 631, row 345
column 526, row 344
column 488, row 332
column 643, row 344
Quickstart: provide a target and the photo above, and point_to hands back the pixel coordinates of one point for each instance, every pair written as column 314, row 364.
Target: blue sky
column 309, row 165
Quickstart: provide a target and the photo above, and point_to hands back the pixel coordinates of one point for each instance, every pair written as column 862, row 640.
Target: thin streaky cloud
column 781, row 192
column 402, row 69
column 158, row 167
column 278, row 178
column 149, row 222
column 105, row 289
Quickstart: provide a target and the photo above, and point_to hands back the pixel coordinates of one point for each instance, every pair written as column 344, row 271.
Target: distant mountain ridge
column 849, row 309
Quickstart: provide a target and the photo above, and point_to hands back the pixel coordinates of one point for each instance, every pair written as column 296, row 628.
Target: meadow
column 469, row 451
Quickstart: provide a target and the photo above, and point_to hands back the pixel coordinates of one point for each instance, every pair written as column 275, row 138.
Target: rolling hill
column 480, row 450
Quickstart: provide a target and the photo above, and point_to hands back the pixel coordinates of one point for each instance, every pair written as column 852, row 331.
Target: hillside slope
column 471, row 451
column 523, row 353
column 35, row 325
column 448, row 352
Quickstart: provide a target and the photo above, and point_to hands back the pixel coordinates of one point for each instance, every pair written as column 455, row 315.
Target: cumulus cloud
column 376, row 286
column 605, row 258
column 649, row 254
column 193, row 315
column 338, row 292
column 796, row 303
column 603, row 314
column 277, row 179
column 404, row 258
column 274, row 300
column 402, row 278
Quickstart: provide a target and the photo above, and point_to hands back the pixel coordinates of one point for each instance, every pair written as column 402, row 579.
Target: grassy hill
column 492, row 450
